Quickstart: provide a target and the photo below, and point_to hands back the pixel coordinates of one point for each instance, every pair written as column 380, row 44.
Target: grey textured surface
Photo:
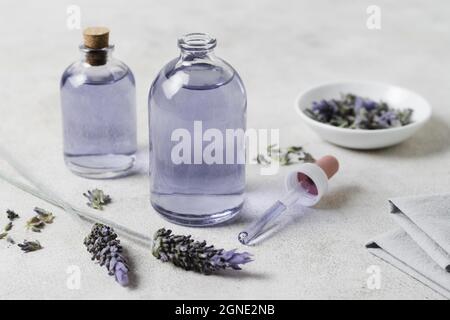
column 418, row 247
column 279, row 48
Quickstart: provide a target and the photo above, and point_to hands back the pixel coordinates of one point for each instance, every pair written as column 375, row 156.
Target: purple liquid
column 195, row 194
column 99, row 121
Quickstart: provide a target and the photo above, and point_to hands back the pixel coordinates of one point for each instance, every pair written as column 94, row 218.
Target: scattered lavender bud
column 3, row 235
column 104, row 246
column 188, row 254
column 44, row 215
column 29, row 246
column 97, row 199
column 35, row 224
column 288, row 156
column 38, row 222
column 11, row 215
column 9, row 226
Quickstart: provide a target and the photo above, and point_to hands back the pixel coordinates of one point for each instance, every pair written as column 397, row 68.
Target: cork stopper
column 96, row 38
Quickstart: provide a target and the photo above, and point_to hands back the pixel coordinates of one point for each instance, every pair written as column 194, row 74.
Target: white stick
column 41, row 191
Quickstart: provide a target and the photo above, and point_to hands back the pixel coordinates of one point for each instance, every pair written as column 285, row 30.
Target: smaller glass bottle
column 98, row 101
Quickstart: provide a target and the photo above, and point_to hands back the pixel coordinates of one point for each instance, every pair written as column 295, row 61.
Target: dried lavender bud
column 35, row 224
column 44, row 215
column 38, row 222
column 261, row 159
column 356, row 112
column 188, row 254
column 9, row 226
column 97, row 199
column 104, row 246
column 11, row 215
column 29, row 246
column 292, row 155
column 3, row 235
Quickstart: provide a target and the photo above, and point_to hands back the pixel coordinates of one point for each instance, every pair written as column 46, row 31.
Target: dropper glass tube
column 256, row 228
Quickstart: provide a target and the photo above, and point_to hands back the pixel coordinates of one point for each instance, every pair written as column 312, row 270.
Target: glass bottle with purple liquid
column 197, row 117
column 98, row 101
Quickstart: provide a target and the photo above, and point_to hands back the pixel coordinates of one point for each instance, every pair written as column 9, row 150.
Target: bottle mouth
column 197, row 42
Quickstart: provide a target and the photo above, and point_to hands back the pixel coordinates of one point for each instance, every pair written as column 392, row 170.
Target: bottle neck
column 96, row 57
column 196, row 46
column 196, row 56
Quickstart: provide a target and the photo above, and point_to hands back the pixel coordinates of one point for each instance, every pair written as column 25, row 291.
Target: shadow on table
column 133, row 277
column 141, row 163
column 338, row 197
column 433, row 138
column 242, row 274
column 278, row 226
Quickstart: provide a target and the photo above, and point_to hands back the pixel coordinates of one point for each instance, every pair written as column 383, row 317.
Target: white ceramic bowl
column 396, row 97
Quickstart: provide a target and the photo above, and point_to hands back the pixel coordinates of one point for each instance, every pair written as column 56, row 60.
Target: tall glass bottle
column 98, row 101
column 197, row 117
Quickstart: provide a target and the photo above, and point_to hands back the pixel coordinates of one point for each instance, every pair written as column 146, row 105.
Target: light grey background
column 279, row 48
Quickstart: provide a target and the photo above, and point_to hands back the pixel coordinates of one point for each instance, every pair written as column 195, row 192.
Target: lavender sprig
column 188, row 254
column 104, row 246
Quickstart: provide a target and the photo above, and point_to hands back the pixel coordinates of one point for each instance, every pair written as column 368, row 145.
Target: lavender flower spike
column 121, row 273
column 104, row 246
column 230, row 259
column 188, row 254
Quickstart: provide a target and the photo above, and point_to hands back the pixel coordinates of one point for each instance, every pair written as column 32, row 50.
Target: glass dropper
column 306, row 184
